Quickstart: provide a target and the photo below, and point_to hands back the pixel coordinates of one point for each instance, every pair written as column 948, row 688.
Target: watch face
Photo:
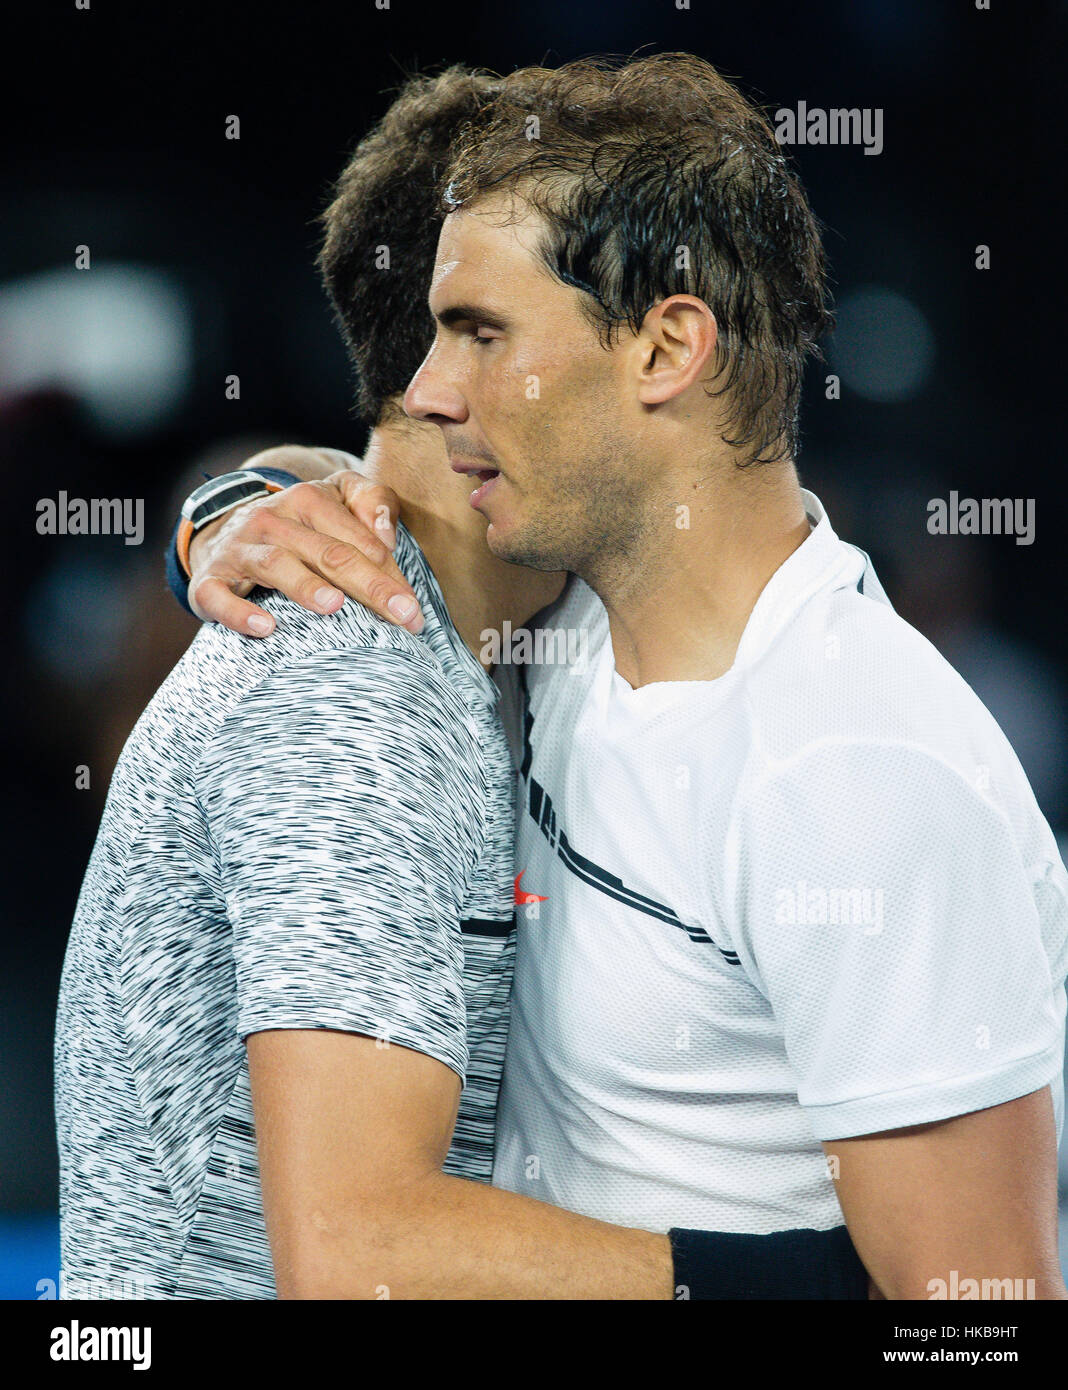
column 218, row 495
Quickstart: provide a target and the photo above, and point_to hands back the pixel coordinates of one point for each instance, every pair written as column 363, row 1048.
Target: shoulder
column 340, row 702
column 851, row 671
column 858, row 726
column 354, row 697
column 226, row 659
column 354, row 645
column 349, row 742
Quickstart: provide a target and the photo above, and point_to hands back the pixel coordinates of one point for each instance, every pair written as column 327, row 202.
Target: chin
column 497, row 538
column 517, row 546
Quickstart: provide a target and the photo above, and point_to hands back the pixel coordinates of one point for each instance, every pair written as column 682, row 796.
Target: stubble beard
column 592, row 528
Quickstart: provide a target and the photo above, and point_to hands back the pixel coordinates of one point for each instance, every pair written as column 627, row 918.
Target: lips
column 489, row 478
column 486, row 477
column 473, row 468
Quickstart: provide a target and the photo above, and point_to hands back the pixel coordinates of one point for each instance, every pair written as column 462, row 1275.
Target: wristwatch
column 214, row 499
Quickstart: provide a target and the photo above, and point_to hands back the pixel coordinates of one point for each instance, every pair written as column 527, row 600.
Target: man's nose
column 430, row 397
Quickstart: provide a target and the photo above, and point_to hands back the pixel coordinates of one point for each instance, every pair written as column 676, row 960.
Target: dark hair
column 658, row 177
column 386, row 204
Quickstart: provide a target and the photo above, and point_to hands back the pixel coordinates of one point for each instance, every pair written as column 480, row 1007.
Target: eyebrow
column 469, row 313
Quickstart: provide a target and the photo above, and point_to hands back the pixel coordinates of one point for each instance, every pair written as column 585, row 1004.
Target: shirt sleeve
column 886, row 913
column 345, row 800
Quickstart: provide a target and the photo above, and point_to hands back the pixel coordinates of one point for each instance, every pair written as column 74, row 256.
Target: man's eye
column 484, row 334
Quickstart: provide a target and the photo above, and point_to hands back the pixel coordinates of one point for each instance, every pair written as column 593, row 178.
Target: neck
column 678, row 608
column 482, row 591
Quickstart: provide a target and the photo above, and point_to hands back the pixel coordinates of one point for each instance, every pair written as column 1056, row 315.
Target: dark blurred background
column 112, row 379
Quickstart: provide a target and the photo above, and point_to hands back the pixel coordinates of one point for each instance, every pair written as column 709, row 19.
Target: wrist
column 797, row 1264
column 196, row 543
column 216, row 498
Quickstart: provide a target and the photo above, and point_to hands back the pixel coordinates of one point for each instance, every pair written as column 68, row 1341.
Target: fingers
column 325, row 533
column 299, row 555
column 333, row 559
column 299, row 559
column 213, row 598
column 313, row 570
column 305, row 543
column 213, row 601
column 385, row 592
column 286, row 564
column 376, row 506
column 320, row 507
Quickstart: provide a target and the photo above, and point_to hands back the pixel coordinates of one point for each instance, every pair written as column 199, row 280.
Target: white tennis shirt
column 812, row 899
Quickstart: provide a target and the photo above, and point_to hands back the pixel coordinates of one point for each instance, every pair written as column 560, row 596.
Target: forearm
column 975, row 1252
column 306, row 465
column 458, row 1239
column 351, row 1141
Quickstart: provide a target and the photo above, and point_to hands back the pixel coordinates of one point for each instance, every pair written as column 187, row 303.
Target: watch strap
column 214, row 499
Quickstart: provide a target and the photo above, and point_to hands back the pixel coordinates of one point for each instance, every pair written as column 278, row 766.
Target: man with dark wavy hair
column 800, row 881
column 802, row 932
column 286, row 993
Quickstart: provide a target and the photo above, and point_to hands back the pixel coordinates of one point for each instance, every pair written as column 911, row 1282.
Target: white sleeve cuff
column 918, row 1105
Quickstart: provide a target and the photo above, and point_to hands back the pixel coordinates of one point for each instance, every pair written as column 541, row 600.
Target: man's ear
column 677, row 344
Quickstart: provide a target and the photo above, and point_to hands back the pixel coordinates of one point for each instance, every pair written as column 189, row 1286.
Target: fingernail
column 260, row 625
column 386, row 533
column 329, row 598
column 402, row 607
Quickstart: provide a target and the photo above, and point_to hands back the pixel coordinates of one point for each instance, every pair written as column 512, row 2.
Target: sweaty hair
column 382, row 231
column 659, row 177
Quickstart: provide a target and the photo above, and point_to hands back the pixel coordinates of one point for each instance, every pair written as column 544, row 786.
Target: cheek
column 566, row 408
column 540, row 402
column 550, row 373
column 508, row 395
column 495, row 386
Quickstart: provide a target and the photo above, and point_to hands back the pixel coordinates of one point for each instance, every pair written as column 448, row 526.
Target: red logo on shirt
column 523, row 898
